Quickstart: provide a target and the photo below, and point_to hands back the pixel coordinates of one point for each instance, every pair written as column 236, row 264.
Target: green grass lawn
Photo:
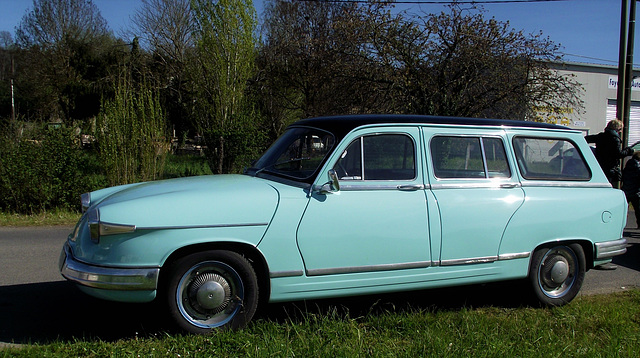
column 50, row 218
column 591, row 326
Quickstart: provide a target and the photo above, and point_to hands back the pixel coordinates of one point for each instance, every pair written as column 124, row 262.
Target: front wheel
column 212, row 290
column 557, row 273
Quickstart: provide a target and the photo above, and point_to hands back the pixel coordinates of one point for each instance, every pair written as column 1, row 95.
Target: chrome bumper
column 608, row 249
column 109, row 278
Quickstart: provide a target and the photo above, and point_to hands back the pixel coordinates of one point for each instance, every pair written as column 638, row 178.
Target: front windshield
column 297, row 154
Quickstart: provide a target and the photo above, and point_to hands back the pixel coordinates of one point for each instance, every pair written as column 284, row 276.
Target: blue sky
column 588, row 30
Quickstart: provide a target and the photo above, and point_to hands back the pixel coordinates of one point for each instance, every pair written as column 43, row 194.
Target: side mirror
column 334, row 182
column 332, row 186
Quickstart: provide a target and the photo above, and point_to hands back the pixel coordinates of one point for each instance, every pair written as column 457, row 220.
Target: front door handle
column 412, row 187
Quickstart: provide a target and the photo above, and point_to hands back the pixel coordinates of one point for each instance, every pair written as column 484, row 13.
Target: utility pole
column 13, row 103
column 629, row 71
column 625, row 67
column 622, row 62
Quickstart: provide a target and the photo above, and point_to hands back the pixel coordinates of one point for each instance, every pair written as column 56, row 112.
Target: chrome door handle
column 508, row 186
column 412, row 187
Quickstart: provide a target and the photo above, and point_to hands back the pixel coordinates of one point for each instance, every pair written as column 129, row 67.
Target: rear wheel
column 212, row 290
column 557, row 273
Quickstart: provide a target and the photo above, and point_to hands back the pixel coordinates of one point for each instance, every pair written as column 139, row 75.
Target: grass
column 185, row 165
column 50, row 218
column 591, row 326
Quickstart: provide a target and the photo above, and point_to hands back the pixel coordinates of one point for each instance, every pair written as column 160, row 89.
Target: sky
column 587, row 30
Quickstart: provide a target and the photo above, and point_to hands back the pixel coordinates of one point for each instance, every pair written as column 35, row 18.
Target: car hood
column 204, row 201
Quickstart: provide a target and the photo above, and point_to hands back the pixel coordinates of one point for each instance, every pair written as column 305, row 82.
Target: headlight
column 98, row 228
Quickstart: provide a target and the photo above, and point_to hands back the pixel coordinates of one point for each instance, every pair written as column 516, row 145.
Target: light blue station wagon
column 351, row 205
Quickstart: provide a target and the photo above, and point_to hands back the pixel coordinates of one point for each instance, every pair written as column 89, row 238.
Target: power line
column 438, row 2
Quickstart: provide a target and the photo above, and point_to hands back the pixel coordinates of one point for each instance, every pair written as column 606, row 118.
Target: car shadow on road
column 57, row 311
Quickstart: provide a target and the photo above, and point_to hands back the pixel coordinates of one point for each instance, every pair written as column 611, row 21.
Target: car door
column 377, row 221
column 477, row 193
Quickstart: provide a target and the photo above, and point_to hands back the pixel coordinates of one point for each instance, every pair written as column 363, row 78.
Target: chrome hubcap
column 210, row 294
column 557, row 271
column 560, row 271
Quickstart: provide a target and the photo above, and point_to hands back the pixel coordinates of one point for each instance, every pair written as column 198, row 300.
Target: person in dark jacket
column 609, row 152
column 631, row 184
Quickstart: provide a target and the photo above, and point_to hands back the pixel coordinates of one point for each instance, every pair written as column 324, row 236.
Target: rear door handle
column 508, row 186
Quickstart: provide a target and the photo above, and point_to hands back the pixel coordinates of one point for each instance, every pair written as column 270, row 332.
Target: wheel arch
column 249, row 252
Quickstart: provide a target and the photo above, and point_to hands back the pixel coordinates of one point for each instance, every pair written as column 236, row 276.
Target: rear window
column 550, row 159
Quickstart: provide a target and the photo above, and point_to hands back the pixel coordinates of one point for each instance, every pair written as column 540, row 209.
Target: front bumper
column 609, row 249
column 107, row 278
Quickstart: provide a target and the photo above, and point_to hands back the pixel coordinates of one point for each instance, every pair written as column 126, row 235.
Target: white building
column 599, row 94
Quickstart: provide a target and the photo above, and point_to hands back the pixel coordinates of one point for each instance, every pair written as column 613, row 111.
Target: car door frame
column 360, row 189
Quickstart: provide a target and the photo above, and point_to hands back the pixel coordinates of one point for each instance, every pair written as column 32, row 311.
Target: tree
column 6, row 74
column 63, row 44
column 226, row 49
column 131, row 133
column 328, row 58
column 50, row 22
column 461, row 64
column 166, row 28
column 316, row 60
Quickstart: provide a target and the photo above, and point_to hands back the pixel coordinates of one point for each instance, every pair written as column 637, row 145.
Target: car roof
column 341, row 125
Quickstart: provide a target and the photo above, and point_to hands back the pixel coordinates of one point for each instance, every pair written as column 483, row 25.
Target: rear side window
column 469, row 157
column 550, row 159
column 378, row 157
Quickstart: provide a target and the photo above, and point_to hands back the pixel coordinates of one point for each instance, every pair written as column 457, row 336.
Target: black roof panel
column 341, row 125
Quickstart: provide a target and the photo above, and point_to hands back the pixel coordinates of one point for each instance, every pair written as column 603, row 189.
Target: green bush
column 131, row 136
column 41, row 171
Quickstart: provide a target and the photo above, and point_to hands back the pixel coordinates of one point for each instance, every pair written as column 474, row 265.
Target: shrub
column 40, row 171
column 132, row 141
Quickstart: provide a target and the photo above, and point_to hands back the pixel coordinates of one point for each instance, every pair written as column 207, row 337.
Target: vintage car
column 352, row 205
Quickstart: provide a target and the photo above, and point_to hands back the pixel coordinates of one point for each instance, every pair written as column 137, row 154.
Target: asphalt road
column 37, row 305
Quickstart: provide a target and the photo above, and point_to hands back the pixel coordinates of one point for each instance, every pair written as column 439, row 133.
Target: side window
column 378, row 157
column 550, row 159
column 496, row 158
column 469, row 157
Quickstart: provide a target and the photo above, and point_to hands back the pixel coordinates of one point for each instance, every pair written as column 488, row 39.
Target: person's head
column 615, row 125
column 636, row 155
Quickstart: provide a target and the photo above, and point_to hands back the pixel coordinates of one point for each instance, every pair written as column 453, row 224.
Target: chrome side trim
column 521, row 255
column 469, row 261
column 110, row 278
column 487, row 259
column 106, row 228
column 608, row 249
column 278, row 274
column 372, row 268
column 351, row 187
column 564, row 184
column 481, row 185
column 524, row 184
column 412, row 265
column 199, row 226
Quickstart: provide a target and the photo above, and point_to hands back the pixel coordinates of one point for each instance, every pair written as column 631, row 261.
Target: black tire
column 211, row 290
column 557, row 273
